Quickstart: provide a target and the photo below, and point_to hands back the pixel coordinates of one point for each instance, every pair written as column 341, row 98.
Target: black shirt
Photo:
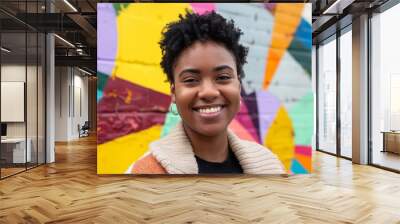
column 230, row 165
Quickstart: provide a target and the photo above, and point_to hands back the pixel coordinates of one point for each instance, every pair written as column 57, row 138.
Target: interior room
column 52, row 86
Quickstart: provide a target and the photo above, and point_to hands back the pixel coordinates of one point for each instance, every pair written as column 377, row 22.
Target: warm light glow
column 5, row 50
column 86, row 72
column 70, row 5
column 64, row 40
column 331, row 7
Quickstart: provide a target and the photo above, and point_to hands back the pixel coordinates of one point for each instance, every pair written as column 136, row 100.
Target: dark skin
column 206, row 90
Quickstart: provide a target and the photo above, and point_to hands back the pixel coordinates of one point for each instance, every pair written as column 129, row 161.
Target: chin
column 211, row 129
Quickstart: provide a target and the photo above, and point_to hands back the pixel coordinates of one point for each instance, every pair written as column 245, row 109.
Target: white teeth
column 210, row 110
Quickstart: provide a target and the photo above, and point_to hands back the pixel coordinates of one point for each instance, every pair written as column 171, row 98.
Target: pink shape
column 303, row 150
column 243, row 117
column 270, row 7
column 201, row 8
column 240, row 131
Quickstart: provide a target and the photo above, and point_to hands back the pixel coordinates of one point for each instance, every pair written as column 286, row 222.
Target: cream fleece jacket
column 173, row 154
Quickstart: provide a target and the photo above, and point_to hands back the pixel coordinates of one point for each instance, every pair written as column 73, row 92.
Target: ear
column 172, row 86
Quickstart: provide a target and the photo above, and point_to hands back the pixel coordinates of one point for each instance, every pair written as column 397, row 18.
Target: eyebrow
column 222, row 67
column 197, row 71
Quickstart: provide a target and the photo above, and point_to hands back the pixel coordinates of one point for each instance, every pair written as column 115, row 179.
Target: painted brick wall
column 133, row 99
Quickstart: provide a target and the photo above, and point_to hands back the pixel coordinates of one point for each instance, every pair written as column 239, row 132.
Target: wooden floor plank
column 70, row 191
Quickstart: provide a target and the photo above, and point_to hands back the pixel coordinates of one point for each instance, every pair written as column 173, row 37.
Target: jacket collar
column 175, row 153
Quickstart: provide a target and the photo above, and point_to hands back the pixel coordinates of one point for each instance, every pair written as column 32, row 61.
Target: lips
column 209, row 110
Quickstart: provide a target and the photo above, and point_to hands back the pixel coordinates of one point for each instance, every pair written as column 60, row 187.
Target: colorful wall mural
column 133, row 95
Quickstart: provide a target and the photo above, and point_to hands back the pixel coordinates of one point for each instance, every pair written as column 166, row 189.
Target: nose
column 208, row 91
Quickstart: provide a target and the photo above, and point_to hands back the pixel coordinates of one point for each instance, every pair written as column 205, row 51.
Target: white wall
column 61, row 103
column 71, row 94
column 80, row 101
column 12, row 73
column 33, row 127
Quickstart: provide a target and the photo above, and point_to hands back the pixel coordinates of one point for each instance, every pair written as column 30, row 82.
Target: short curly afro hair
column 179, row 35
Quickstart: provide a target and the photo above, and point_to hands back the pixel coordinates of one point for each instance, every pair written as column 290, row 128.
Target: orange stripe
column 305, row 161
column 287, row 19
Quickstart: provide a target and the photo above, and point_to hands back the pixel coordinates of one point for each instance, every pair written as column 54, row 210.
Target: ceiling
column 330, row 15
column 76, row 22
column 72, row 20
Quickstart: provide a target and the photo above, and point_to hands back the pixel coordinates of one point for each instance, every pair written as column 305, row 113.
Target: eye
column 189, row 80
column 223, row 77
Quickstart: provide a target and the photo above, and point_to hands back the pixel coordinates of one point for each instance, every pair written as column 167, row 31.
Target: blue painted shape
column 297, row 168
column 300, row 47
column 99, row 95
column 303, row 34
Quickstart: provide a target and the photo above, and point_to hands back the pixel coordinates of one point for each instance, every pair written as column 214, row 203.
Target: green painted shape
column 101, row 80
column 171, row 121
column 119, row 6
column 302, row 115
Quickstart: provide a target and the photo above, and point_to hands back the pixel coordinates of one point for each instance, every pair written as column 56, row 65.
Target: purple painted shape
column 201, row 8
column 270, row 7
column 251, row 104
column 268, row 106
column 106, row 38
column 105, row 67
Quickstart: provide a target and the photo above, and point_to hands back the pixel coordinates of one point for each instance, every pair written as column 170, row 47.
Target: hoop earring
column 173, row 110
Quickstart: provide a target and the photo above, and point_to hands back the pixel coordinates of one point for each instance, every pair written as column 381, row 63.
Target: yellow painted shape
column 287, row 19
column 139, row 28
column 116, row 156
column 280, row 137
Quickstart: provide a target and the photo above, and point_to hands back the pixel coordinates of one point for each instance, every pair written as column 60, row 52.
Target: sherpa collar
column 175, row 153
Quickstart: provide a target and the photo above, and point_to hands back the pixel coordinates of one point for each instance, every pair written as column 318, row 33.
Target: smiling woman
column 203, row 61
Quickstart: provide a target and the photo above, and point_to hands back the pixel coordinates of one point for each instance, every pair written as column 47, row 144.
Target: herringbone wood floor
column 69, row 191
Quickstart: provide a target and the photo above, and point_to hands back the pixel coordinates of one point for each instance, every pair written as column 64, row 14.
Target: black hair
column 192, row 27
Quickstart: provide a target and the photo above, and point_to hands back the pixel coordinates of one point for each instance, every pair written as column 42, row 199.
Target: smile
column 209, row 111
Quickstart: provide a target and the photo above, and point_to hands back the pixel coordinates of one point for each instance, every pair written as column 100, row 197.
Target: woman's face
column 206, row 87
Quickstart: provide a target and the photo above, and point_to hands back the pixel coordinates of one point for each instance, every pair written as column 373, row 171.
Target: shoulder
column 148, row 165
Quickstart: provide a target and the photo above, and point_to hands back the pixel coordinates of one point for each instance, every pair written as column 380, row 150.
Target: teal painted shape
column 101, row 83
column 297, row 168
column 302, row 115
column 99, row 95
column 171, row 121
column 101, row 80
column 119, row 6
column 300, row 47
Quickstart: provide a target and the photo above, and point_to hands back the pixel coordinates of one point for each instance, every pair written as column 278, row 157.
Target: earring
column 173, row 110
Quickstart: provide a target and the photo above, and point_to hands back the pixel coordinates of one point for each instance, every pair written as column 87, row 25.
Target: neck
column 209, row 148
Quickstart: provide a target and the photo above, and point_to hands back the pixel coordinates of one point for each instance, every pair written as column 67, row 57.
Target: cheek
column 183, row 97
column 233, row 95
